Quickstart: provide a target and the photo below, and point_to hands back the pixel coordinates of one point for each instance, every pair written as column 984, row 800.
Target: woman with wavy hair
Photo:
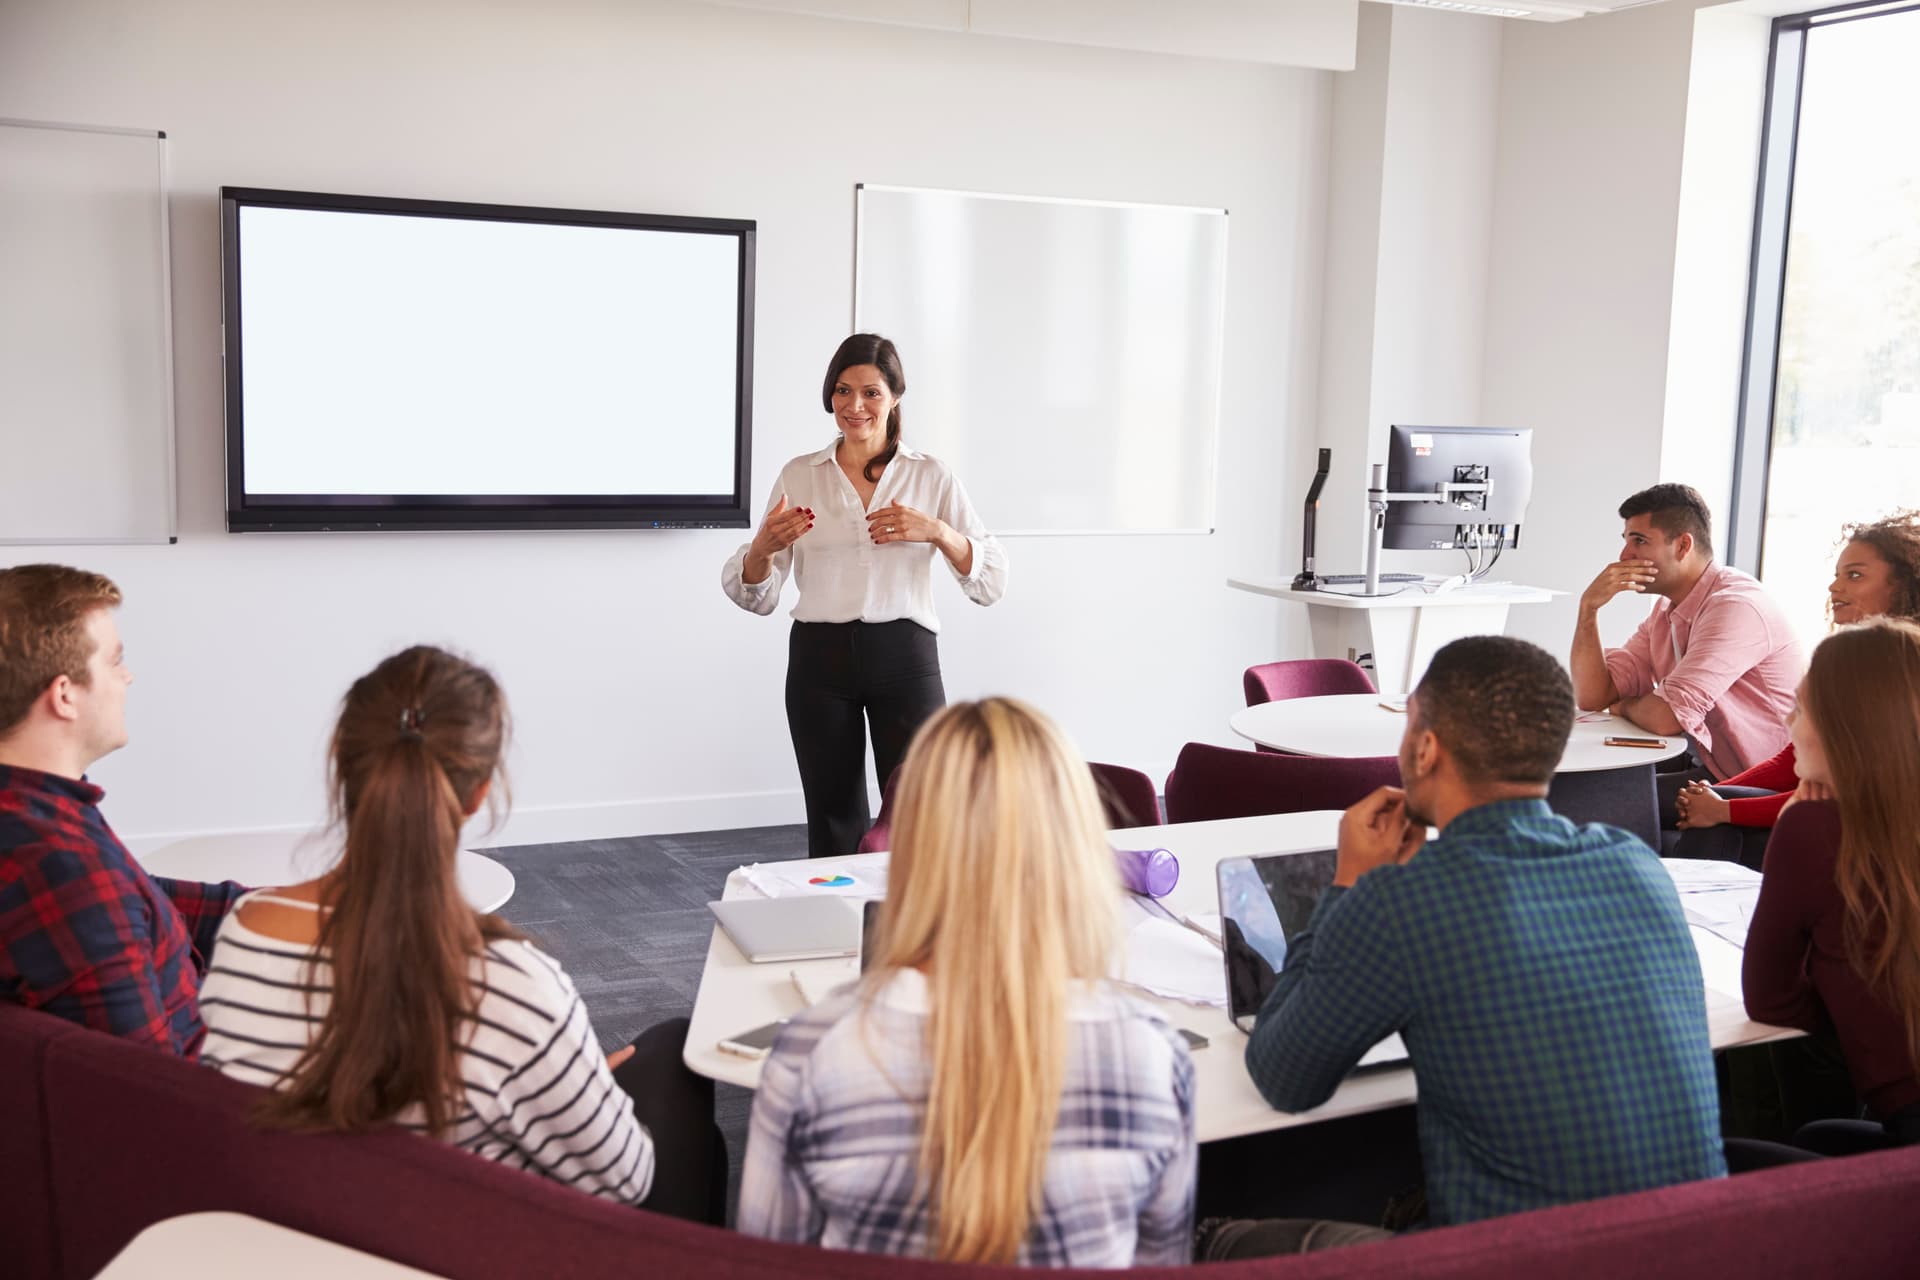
column 984, row 1094
column 375, row 994
column 1877, row 574
column 1835, row 939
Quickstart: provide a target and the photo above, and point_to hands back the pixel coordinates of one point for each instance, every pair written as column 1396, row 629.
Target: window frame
column 1767, row 269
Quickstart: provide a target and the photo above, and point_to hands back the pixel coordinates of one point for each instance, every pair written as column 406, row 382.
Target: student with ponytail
column 1835, row 939
column 984, row 1095
column 375, row 994
column 864, row 651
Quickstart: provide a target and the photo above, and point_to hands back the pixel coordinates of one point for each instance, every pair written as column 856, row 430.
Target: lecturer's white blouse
column 843, row 576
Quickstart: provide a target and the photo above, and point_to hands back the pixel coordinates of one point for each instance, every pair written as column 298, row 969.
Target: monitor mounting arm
column 1377, row 500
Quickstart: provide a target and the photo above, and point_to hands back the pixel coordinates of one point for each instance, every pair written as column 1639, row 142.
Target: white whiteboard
column 1062, row 355
column 86, row 357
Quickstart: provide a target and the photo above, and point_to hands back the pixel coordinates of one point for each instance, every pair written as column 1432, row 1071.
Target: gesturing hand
column 1621, row 575
column 1376, row 833
column 901, row 523
column 781, row 529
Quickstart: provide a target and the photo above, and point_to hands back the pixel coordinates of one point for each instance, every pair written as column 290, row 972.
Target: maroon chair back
column 880, row 835
column 118, row 1136
column 1219, row 782
column 1128, row 795
column 1304, row 678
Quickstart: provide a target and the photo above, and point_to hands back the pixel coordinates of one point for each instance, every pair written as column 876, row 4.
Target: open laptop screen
column 1264, row 902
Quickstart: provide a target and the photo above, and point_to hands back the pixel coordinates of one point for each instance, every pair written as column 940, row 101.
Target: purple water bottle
column 1152, row 872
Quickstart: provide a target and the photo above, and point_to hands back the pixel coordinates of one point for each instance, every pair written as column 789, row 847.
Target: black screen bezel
column 248, row 513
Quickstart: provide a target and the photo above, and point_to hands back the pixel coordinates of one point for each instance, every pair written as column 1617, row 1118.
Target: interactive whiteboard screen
column 398, row 364
column 1063, row 356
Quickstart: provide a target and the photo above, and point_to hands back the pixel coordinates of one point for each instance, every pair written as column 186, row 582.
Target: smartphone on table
column 755, row 1043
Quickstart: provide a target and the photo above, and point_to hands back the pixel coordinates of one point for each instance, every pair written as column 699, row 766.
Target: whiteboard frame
column 1219, row 372
column 165, row 319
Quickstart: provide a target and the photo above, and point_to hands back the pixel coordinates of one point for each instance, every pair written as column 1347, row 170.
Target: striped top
column 833, row 1151
column 539, row 1095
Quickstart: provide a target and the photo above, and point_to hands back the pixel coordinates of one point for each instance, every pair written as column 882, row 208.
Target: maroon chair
column 1304, row 678
column 1128, row 796
column 1220, row 782
column 100, row 1138
column 880, row 834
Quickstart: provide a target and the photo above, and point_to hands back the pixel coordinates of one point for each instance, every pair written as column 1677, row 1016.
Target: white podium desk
column 1403, row 630
column 737, row 995
column 1356, row 724
column 280, row 858
column 234, row 1246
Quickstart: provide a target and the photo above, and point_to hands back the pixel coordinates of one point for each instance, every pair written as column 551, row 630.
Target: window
column 1830, row 404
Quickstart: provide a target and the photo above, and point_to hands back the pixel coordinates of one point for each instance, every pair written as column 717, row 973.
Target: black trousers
column 676, row 1106
column 844, row 678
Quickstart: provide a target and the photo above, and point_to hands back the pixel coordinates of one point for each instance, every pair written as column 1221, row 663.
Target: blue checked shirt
column 1548, row 991
column 833, row 1149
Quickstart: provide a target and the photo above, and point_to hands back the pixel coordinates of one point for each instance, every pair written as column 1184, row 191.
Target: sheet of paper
column 1719, row 963
column 861, row 876
column 1694, row 874
column 1171, row 960
column 1724, row 912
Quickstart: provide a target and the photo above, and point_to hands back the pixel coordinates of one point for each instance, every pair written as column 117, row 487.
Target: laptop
column 1264, row 901
column 775, row 929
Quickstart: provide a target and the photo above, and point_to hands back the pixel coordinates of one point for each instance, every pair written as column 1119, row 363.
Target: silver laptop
column 1264, row 901
column 774, row 929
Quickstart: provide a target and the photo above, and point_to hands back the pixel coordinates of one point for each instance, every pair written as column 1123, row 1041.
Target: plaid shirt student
column 1549, row 993
column 85, row 934
column 833, row 1151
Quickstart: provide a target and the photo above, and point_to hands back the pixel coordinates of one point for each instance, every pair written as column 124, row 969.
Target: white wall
column 645, row 701
column 1592, row 120
column 1411, row 190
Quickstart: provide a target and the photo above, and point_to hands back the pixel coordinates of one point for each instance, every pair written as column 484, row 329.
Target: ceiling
column 1530, row 10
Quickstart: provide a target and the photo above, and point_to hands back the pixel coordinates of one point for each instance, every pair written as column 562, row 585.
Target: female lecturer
column 858, row 525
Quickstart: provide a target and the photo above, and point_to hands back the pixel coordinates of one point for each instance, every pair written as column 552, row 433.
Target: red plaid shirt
column 84, row 932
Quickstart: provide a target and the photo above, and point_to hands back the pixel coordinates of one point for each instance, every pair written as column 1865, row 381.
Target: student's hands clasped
column 1621, row 575
column 1699, row 805
column 1377, row 833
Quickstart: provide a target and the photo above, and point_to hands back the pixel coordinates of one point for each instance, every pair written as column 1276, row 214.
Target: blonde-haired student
column 984, row 1094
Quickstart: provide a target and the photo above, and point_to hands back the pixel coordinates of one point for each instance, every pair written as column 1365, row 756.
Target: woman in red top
column 1832, row 947
column 1878, row 573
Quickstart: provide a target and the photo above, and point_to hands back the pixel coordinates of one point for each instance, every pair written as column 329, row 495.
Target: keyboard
column 1350, row 579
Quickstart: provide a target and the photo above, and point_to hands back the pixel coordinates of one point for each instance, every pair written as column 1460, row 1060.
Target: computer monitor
column 1421, row 459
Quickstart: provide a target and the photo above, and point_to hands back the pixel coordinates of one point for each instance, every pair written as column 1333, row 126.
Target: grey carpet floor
column 628, row 920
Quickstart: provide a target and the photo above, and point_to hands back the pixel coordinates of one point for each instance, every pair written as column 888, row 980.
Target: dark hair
column 1897, row 540
column 1501, row 707
column 1674, row 509
column 43, row 632
column 418, row 737
column 870, row 348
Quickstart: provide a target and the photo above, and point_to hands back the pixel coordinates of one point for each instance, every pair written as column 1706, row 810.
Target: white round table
column 1358, row 724
column 261, row 861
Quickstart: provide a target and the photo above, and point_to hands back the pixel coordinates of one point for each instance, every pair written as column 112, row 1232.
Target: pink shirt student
column 1725, row 660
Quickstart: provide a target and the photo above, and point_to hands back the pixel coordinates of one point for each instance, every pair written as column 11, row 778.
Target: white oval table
column 1358, row 724
column 264, row 860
